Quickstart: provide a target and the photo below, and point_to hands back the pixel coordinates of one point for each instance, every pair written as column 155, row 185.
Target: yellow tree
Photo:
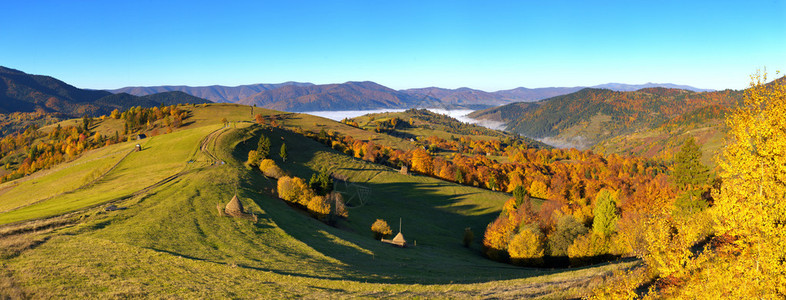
column 422, row 161
column 750, row 206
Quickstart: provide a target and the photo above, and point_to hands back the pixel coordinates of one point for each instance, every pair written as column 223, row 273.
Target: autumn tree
column 750, row 205
column 319, row 207
column 527, row 247
column 253, row 158
column 422, row 161
column 270, row 169
column 380, row 229
column 565, row 232
column 293, row 189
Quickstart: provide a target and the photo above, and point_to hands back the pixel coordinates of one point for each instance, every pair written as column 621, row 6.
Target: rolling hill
column 22, row 92
column 146, row 224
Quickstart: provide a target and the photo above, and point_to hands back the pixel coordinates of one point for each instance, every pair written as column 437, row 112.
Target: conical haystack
column 234, row 207
column 399, row 240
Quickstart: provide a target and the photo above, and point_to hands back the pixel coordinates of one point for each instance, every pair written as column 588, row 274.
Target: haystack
column 398, row 240
column 234, row 207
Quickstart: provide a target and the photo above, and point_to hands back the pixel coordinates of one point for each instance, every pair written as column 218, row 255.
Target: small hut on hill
column 234, row 207
column 398, row 240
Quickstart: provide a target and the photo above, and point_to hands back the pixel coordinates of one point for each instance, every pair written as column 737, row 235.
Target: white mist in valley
column 458, row 114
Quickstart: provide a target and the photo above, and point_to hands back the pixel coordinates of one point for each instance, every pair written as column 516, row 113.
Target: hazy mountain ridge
column 344, row 96
column 215, row 93
column 341, row 96
column 22, row 92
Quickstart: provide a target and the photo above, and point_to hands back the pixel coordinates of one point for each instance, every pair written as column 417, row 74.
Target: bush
column 380, row 229
column 270, row 169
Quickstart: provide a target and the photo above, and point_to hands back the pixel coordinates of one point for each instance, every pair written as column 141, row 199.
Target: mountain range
column 215, row 93
column 22, row 92
column 303, row 96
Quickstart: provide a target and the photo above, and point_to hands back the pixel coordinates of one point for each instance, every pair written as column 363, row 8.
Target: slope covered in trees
column 589, row 116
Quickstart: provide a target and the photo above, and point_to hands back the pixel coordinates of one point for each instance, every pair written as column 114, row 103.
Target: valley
column 168, row 232
column 137, row 200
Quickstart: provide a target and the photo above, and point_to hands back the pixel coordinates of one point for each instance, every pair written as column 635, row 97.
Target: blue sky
column 488, row 45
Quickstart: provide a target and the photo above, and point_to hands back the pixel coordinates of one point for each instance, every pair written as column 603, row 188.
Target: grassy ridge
column 162, row 156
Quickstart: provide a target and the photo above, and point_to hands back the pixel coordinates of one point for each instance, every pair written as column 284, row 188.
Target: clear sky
column 488, row 45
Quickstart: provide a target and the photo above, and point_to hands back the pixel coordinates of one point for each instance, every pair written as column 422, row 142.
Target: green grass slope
column 171, row 242
column 60, row 192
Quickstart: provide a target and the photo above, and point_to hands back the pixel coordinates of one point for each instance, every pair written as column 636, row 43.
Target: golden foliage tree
column 294, row 189
column 270, row 169
column 319, row 206
column 538, row 189
column 527, row 247
column 750, row 205
column 380, row 229
column 422, row 161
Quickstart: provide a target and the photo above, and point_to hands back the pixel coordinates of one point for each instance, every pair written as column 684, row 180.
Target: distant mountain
column 306, row 96
column 215, row 93
column 586, row 117
column 464, row 97
column 621, row 87
column 345, row 96
column 523, row 94
column 22, row 92
column 478, row 99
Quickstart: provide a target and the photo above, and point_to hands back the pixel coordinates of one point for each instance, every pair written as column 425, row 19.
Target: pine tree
column 263, row 147
column 283, row 152
column 606, row 216
column 689, row 172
